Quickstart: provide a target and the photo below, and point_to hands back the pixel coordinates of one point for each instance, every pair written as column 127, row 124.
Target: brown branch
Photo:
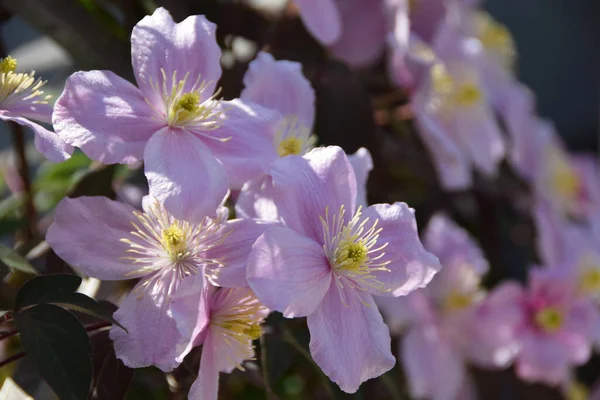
column 10, row 359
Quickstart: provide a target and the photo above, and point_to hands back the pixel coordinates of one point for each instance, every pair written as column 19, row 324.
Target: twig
column 264, row 364
column 10, row 359
column 8, row 334
column 291, row 340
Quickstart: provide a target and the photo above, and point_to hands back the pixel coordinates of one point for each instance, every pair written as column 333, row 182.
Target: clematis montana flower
column 453, row 320
column 558, row 327
column 281, row 86
column 173, row 120
column 331, row 258
column 112, row 241
column 224, row 322
column 21, row 99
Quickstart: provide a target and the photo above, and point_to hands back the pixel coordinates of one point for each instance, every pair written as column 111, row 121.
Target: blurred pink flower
column 453, row 320
column 224, row 322
column 21, row 99
column 111, row 241
column 558, row 327
column 174, row 121
column 331, row 258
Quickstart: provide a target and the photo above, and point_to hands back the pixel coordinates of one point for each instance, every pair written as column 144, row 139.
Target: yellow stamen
column 495, row 37
column 576, row 391
column 254, row 331
column 441, row 80
column 549, row 319
column 590, row 281
column 352, row 254
column 174, row 239
column 457, row 301
column 468, row 94
column 8, row 64
column 564, row 180
column 290, row 146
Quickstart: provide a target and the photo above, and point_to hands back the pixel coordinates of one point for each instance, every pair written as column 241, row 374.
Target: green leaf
column 38, row 289
column 111, row 377
column 58, row 344
column 14, row 260
column 59, row 289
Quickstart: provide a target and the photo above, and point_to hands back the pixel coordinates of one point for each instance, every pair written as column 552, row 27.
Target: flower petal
column 411, row 266
column 322, row 19
column 104, row 115
column 348, row 339
column 46, row 142
column 152, row 337
column 249, row 150
column 206, row 385
column 255, row 200
column 281, row 86
column 362, row 41
column 87, row 233
column 288, row 272
column 183, row 175
column 362, row 164
column 159, row 45
column 238, row 237
column 426, row 354
column 305, row 187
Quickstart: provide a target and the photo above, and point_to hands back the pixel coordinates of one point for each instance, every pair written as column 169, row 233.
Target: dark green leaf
column 37, row 289
column 60, row 289
column 111, row 377
column 58, row 344
column 96, row 183
column 14, row 260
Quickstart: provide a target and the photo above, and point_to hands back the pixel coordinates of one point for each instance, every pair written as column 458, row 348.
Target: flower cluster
column 304, row 241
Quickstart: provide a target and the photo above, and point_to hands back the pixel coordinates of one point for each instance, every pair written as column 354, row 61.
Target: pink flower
column 453, row 320
column 21, row 99
column 111, row 241
column 224, row 322
column 174, row 121
column 331, row 258
column 557, row 330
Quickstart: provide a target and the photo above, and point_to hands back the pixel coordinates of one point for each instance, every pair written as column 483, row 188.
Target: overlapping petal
column 322, row 19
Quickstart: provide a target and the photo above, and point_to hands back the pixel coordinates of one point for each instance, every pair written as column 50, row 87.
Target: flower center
column 292, row 137
column 352, row 249
column 184, row 105
column 589, row 282
column 170, row 249
column 495, row 37
column 564, row 180
column 549, row 319
column 468, row 94
column 456, row 301
column 576, row 391
column 8, row 64
column 19, row 87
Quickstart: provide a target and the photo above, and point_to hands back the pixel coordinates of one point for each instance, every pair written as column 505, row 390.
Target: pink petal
column 87, row 233
column 190, row 308
column 433, row 367
column 411, row 266
column 206, row 385
column 281, row 86
column 362, row 41
column 542, row 359
column 249, row 150
column 348, row 339
column 238, row 237
column 184, row 175
column 362, row 164
column 190, row 47
column 152, row 337
column 37, row 112
column 321, row 18
column 104, row 115
column 255, row 200
column 305, row 187
column 288, row 272
column 46, row 142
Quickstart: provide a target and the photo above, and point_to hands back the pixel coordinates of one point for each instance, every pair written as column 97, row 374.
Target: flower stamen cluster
column 18, row 87
column 293, row 138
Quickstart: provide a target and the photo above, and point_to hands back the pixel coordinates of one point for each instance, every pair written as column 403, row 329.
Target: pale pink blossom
column 22, row 99
column 109, row 240
column 331, row 258
column 174, row 120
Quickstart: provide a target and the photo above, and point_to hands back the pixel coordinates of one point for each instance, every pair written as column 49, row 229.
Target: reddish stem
column 10, row 359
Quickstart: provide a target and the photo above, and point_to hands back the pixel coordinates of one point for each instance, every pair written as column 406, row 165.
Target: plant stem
column 291, row 340
column 264, row 364
column 10, row 359
column 8, row 334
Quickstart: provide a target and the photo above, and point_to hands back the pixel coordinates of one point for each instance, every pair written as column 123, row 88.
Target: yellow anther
column 468, row 94
column 441, row 80
column 8, row 64
column 576, row 391
column 290, row 146
column 189, row 102
column 457, row 301
column 352, row 255
column 549, row 319
column 254, row 331
column 564, row 179
column 590, row 281
column 174, row 239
